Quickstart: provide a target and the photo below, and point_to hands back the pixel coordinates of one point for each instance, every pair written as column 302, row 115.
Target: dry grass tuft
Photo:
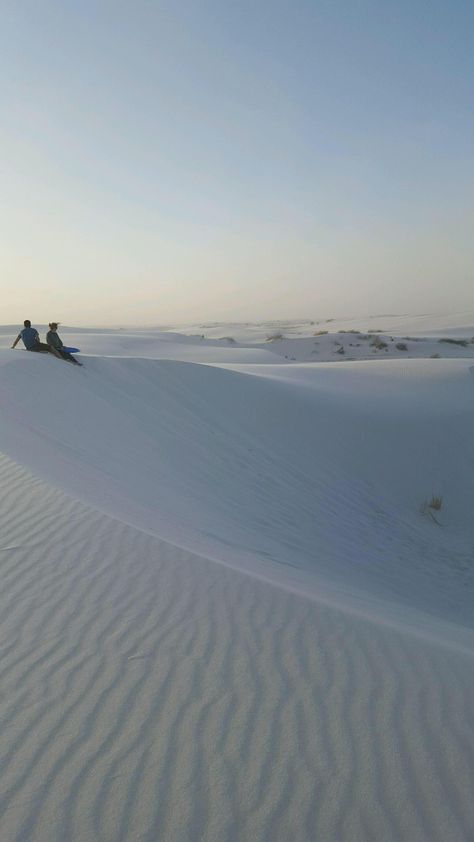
column 378, row 344
column 429, row 507
column 273, row 337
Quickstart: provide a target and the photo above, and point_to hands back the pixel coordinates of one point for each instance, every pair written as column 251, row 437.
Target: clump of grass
column 430, row 506
column 462, row 342
column 273, row 337
column 320, row 333
column 401, row 346
column 349, row 331
column 378, row 344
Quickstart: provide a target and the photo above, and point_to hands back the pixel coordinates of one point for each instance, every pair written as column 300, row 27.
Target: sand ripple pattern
column 147, row 694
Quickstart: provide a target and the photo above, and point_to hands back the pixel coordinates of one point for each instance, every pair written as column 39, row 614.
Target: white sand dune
column 223, row 615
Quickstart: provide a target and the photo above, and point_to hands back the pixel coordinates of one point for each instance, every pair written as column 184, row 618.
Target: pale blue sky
column 209, row 160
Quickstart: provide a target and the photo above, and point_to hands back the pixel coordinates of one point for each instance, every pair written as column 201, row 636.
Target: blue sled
column 70, row 350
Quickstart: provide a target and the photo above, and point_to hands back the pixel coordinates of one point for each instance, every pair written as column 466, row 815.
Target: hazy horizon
column 233, row 163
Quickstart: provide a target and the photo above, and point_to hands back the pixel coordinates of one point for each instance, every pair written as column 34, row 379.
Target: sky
column 171, row 162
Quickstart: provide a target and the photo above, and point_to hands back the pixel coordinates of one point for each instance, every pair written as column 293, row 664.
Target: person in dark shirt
column 54, row 341
column 31, row 340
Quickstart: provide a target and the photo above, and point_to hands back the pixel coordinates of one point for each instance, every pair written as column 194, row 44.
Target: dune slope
column 148, row 693
column 223, row 615
column 317, row 470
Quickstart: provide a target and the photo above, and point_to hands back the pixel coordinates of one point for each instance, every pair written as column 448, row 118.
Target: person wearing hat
column 55, row 342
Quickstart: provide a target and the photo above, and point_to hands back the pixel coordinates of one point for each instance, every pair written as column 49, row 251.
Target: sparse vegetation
column 462, row 342
column 349, row 331
column 273, row 337
column 228, row 339
column 435, row 356
column 430, row 506
column 401, row 346
column 378, row 344
column 320, row 333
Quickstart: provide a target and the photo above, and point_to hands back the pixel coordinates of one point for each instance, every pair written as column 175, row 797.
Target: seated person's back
column 52, row 337
column 30, row 337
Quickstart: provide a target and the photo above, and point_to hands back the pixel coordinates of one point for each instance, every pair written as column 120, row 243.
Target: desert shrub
column 462, row 342
column 378, row 344
column 272, row 337
column 401, row 346
column 320, row 333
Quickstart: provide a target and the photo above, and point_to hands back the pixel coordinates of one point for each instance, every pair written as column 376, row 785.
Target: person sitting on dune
column 55, row 342
column 31, row 340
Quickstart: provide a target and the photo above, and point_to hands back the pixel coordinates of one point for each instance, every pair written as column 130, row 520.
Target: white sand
column 223, row 615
